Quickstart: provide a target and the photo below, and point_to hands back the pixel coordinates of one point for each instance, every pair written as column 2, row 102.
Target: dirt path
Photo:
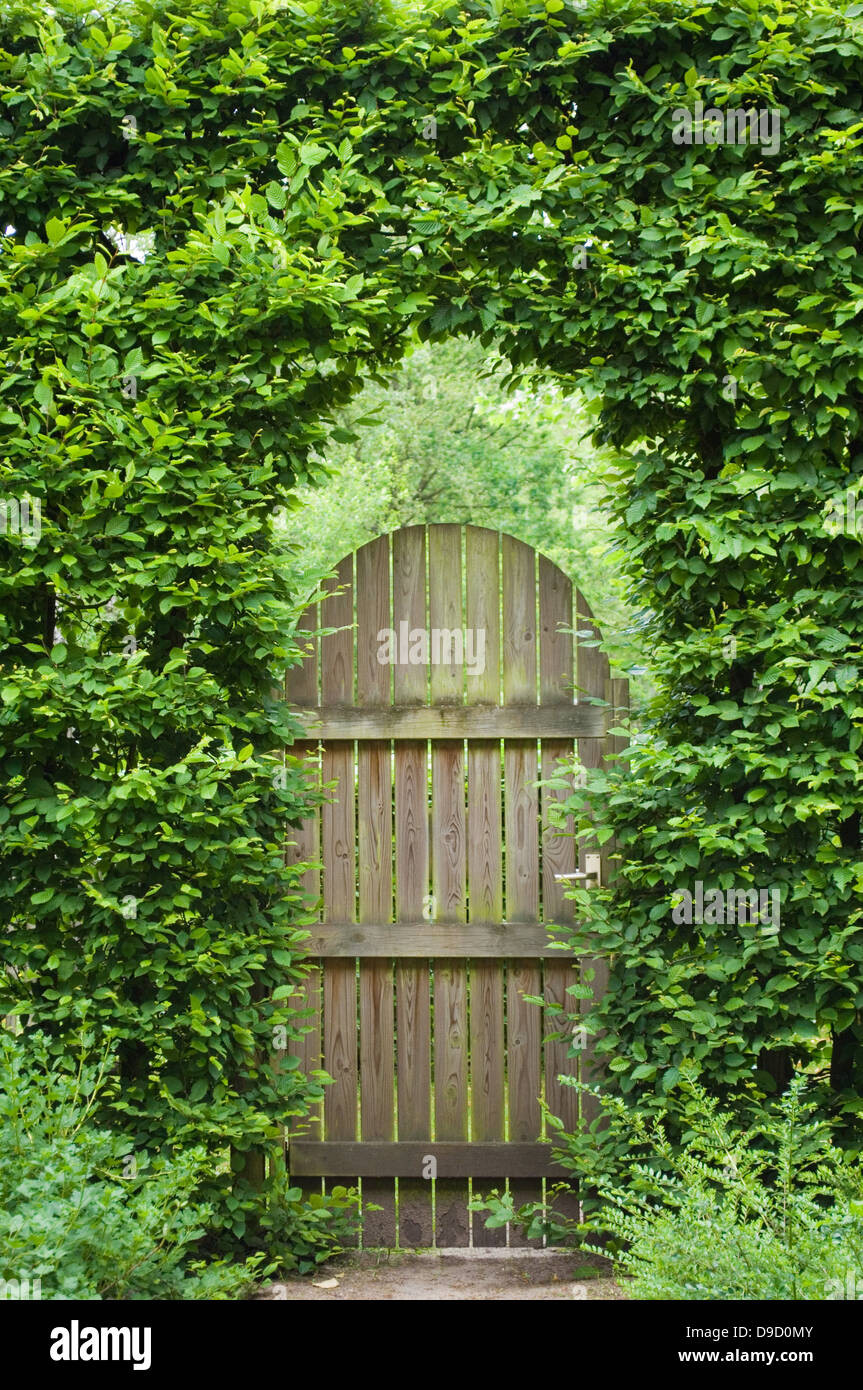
column 477, row 1275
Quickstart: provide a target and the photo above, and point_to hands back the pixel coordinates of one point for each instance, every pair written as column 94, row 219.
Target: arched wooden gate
column 439, row 875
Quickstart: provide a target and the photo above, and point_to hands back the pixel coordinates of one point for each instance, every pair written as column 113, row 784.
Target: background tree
column 443, row 439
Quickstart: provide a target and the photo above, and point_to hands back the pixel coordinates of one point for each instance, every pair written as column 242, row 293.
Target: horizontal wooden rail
column 409, row 1159
column 434, row 940
column 336, row 722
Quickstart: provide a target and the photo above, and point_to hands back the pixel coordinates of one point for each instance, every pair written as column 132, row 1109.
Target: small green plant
column 303, row 1229
column 82, row 1216
column 772, row 1212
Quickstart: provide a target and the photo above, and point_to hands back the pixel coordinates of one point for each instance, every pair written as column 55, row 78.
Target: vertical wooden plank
column 301, row 689
column 559, row 851
column 620, row 713
column 413, row 1029
column 377, row 1013
column 559, row 848
column 485, row 886
column 452, row 1218
column 522, row 859
column 592, row 680
column 617, row 698
column 339, row 866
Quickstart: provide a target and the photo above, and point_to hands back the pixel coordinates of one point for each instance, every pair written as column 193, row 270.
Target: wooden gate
column 440, row 877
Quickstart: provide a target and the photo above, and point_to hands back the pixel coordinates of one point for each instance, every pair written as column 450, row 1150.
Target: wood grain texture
column 593, row 683
column 556, row 677
column 340, row 1001
column 413, row 976
column 301, row 689
column 485, row 863
column 404, row 1159
column 375, row 867
column 593, row 1065
column 339, row 870
column 481, row 941
column 452, row 1218
column 481, row 1070
column 529, row 720
column 524, row 976
column 559, row 851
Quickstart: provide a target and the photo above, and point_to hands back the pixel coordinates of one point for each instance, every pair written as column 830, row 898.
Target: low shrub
column 81, row 1217
column 772, row 1212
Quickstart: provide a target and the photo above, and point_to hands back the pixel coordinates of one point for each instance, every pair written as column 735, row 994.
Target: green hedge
column 318, row 182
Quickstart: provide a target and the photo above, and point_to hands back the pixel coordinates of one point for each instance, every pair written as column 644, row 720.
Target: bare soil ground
column 475, row 1275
